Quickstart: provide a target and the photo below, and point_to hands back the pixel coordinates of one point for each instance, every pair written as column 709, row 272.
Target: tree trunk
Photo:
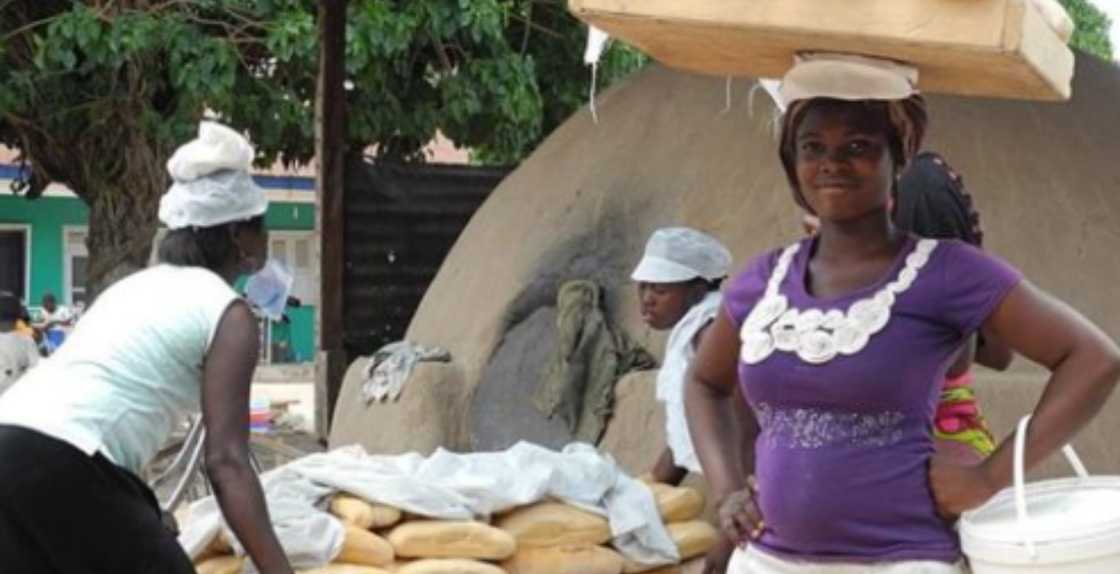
column 330, row 147
column 124, row 216
column 120, row 238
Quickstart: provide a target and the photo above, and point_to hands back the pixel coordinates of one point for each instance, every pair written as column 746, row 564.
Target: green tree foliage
column 1092, row 28
column 95, row 95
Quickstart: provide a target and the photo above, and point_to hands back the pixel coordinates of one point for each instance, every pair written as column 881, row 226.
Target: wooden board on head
column 990, row 48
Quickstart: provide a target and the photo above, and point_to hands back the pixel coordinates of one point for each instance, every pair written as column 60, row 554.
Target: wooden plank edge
column 1040, row 45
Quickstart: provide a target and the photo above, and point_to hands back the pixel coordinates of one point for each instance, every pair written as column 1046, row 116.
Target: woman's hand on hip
column 739, row 516
column 957, row 487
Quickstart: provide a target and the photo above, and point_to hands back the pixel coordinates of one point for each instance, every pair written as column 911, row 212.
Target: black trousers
column 64, row 512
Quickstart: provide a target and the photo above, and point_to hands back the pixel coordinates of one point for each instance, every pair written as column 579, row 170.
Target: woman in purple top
column 840, row 343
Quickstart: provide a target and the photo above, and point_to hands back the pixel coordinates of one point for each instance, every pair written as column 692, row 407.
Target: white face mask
column 268, row 289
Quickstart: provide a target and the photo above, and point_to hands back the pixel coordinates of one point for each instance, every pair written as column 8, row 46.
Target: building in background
column 43, row 250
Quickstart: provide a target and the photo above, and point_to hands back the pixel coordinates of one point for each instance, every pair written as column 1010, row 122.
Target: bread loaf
column 449, row 566
column 221, row 565
column 693, row 538
column 451, row 539
column 670, row 569
column 366, row 515
column 223, row 542
column 567, row 559
column 217, row 547
column 632, row 567
column 364, row 547
column 677, row 503
column 555, row 524
column 384, row 516
column 344, row 569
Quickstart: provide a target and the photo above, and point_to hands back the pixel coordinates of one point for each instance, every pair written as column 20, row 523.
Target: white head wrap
column 211, row 181
column 676, row 254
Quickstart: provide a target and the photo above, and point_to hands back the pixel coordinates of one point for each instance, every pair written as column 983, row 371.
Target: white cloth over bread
column 445, row 485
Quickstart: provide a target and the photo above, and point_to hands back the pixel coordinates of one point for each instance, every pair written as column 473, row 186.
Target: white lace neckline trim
column 817, row 336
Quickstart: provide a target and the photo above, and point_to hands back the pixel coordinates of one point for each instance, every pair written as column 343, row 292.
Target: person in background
column 55, row 315
column 23, row 323
column 679, row 278
column 55, row 324
column 932, row 202
column 678, row 281
column 158, row 345
column 841, row 342
column 18, row 352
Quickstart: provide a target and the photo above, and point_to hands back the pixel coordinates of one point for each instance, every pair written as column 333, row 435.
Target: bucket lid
column 1070, row 511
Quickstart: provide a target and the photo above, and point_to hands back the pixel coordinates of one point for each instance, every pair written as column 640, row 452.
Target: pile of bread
column 542, row 538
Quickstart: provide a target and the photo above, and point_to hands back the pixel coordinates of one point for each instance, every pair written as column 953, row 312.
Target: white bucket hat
column 846, row 77
column 211, row 181
column 677, row 254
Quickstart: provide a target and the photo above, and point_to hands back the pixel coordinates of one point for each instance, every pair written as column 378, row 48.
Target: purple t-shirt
column 842, row 459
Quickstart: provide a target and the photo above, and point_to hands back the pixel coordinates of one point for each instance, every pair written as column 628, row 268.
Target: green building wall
column 293, row 216
column 47, row 217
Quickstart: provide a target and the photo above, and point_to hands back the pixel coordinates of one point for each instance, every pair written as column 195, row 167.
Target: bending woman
column 157, row 345
column 841, row 342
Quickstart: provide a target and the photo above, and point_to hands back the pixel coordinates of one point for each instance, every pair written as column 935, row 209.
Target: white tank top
column 131, row 368
column 679, row 353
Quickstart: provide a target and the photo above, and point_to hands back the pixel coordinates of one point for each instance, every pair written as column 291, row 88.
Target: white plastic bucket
column 1064, row 526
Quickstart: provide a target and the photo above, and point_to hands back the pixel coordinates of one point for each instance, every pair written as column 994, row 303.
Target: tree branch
column 236, row 33
column 249, row 22
column 528, row 27
column 441, row 52
column 530, row 24
column 27, row 28
column 168, row 5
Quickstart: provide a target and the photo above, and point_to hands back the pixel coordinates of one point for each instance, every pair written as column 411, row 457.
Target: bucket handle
column 1020, row 481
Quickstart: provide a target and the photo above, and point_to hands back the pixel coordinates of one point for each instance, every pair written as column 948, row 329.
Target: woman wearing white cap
column 678, row 278
column 840, row 343
column 678, row 287
column 159, row 344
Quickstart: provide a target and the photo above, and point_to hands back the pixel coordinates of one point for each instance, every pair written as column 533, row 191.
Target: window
column 295, row 250
column 74, row 266
column 15, row 258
